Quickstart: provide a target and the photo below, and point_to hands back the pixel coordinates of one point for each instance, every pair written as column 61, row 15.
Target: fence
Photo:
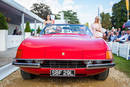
column 120, row 49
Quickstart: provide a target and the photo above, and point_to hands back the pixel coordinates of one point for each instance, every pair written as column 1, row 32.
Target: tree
column 3, row 23
column 27, row 29
column 106, row 20
column 38, row 30
column 41, row 9
column 71, row 17
column 119, row 14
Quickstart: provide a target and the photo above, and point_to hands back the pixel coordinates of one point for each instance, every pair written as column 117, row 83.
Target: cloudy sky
column 86, row 9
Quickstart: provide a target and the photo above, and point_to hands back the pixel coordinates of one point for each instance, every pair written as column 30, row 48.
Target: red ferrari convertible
column 64, row 50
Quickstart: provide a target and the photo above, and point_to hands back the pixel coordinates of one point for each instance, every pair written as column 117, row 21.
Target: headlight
column 109, row 55
column 19, row 53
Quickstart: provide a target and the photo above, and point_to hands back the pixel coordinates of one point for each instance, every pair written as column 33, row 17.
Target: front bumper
column 31, row 65
column 88, row 65
column 97, row 66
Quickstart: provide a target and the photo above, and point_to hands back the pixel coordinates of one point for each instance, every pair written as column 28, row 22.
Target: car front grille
column 63, row 64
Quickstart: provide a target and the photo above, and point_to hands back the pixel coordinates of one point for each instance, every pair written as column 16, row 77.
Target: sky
column 86, row 10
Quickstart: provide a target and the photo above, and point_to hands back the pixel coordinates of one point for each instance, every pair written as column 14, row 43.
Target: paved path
column 7, row 56
column 6, row 67
column 7, row 70
column 115, row 79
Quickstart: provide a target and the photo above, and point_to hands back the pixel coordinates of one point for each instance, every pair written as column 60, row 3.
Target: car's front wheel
column 26, row 76
column 103, row 75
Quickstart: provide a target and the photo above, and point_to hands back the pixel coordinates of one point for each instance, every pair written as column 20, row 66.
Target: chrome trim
column 97, row 66
column 70, row 59
column 31, row 65
column 89, row 65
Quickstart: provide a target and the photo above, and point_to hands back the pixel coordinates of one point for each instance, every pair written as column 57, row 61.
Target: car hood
column 63, row 47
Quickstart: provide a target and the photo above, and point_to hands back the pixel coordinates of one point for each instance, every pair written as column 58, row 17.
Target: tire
column 26, row 76
column 103, row 75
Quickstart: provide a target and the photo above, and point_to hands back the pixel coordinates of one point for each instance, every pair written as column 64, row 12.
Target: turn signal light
column 19, row 53
column 109, row 55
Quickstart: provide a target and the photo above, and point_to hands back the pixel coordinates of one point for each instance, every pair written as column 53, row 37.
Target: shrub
column 27, row 29
column 3, row 22
column 38, row 30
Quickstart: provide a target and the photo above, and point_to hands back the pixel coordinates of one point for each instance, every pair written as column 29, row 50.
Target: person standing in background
column 97, row 28
column 119, row 31
column 112, row 37
column 105, row 36
column 125, row 37
column 109, row 37
column 15, row 32
column 117, row 35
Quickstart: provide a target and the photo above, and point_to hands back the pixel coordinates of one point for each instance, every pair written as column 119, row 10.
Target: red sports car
column 64, row 50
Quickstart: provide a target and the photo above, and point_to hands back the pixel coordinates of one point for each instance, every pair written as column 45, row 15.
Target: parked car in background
column 64, row 50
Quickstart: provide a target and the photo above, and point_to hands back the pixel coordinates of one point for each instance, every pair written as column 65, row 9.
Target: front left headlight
column 19, row 53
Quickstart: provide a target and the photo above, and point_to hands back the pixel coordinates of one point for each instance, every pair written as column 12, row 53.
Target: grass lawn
column 122, row 65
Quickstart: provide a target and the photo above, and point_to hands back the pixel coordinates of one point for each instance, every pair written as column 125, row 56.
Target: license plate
column 62, row 73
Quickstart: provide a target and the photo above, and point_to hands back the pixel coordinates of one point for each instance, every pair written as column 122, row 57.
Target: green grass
column 122, row 65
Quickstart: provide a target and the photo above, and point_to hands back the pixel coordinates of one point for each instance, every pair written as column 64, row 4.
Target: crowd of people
column 113, row 35
column 116, row 35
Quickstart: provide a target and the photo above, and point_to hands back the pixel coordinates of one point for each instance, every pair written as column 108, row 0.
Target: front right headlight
column 109, row 54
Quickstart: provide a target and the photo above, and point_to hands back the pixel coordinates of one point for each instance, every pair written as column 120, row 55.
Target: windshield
column 75, row 29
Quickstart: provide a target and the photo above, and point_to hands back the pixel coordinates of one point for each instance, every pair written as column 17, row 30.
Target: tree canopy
column 106, row 20
column 71, row 17
column 27, row 28
column 38, row 30
column 119, row 14
column 41, row 9
column 3, row 22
